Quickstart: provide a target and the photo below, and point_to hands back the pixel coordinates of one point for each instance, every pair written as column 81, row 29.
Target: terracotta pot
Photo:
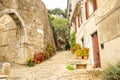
column 94, row 66
column 79, row 57
column 85, row 57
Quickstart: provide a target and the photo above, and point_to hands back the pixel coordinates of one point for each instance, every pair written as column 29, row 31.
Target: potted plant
column 86, row 53
column 94, row 66
column 79, row 54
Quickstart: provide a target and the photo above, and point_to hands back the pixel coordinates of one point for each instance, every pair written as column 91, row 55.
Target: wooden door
column 96, row 54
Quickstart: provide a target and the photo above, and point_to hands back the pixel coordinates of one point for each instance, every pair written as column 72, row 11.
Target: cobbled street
column 51, row 69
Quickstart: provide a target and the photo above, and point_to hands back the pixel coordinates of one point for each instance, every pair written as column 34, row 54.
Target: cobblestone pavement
column 51, row 69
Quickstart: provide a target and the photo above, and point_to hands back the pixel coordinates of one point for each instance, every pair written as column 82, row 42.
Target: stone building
column 97, row 26
column 24, row 29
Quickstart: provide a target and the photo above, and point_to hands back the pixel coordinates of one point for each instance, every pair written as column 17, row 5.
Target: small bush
column 72, row 39
column 30, row 62
column 69, row 67
column 112, row 72
column 50, row 48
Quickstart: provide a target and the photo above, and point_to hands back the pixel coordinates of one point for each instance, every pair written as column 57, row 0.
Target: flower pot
column 86, row 57
column 80, row 57
column 94, row 66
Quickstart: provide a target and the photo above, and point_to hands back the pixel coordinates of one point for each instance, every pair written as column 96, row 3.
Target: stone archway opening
column 13, row 37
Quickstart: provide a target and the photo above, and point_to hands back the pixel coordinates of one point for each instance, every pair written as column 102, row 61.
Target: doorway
column 13, row 37
column 96, row 53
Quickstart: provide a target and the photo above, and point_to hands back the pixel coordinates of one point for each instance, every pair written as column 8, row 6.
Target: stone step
column 3, row 77
column 75, row 61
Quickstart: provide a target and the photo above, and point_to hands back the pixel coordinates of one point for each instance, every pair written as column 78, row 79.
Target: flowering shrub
column 82, row 52
column 75, row 47
column 79, row 53
column 38, row 57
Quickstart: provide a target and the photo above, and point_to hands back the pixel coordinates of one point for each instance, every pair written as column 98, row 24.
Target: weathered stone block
column 6, row 68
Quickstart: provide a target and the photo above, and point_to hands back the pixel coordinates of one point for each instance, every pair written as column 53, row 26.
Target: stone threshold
column 3, row 77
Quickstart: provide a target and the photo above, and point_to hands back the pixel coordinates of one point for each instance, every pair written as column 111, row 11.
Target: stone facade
column 105, row 20
column 24, row 29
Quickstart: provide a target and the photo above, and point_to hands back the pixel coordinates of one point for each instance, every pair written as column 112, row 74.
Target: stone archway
column 21, row 34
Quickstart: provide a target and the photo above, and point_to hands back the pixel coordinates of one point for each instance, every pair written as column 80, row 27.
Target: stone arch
column 21, row 45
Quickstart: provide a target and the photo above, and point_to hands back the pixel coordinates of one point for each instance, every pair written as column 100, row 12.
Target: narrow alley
column 34, row 35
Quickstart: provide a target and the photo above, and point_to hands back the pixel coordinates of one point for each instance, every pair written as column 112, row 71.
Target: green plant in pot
column 85, row 53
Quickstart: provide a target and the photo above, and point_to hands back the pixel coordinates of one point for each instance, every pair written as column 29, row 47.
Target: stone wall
column 107, row 19
column 32, row 21
column 108, row 24
column 8, row 39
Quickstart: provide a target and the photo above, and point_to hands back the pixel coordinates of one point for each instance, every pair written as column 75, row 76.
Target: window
column 79, row 19
column 70, row 7
column 90, row 6
column 87, row 9
column 75, row 27
column 82, row 40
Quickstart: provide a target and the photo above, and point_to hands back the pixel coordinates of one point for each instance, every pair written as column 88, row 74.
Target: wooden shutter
column 75, row 27
column 87, row 9
column 94, row 5
column 79, row 19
